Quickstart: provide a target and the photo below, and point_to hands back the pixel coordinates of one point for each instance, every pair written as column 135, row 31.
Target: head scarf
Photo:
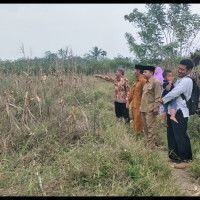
column 158, row 74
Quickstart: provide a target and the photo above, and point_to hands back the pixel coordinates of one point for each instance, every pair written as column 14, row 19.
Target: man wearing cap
column 122, row 89
column 150, row 105
column 135, row 96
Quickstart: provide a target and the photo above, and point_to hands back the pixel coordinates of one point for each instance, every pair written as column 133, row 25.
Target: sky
column 78, row 27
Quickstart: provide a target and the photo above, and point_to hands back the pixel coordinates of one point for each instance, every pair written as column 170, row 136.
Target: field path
column 188, row 185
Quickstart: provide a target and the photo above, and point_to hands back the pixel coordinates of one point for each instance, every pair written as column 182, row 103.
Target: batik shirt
column 122, row 88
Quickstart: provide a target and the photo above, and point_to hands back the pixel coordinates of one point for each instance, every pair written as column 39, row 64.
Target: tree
column 195, row 57
column 61, row 53
column 22, row 50
column 96, row 52
column 164, row 33
column 51, row 58
column 104, row 53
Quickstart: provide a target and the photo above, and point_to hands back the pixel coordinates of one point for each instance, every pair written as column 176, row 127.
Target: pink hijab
column 158, row 74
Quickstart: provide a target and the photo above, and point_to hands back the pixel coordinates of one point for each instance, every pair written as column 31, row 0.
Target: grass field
column 60, row 137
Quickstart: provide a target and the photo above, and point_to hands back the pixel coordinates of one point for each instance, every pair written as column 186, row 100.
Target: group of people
column 152, row 88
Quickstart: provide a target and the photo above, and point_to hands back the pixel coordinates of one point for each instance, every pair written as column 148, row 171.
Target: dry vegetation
column 59, row 137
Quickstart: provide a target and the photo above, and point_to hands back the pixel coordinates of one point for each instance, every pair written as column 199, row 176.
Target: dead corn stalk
column 10, row 116
column 40, row 104
column 73, row 116
column 26, row 112
column 85, row 116
column 60, row 114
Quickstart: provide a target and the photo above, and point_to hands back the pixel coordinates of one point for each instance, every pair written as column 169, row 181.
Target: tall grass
column 61, row 138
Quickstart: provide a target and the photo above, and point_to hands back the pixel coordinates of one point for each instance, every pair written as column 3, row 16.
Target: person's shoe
column 182, row 165
column 169, row 160
column 159, row 147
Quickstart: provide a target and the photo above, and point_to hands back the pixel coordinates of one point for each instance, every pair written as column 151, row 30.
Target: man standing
column 122, row 89
column 135, row 96
column 179, row 147
column 150, row 106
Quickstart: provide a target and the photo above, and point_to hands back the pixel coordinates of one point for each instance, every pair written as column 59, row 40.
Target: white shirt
column 181, row 86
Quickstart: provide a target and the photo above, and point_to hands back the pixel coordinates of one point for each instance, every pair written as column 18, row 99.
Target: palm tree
column 103, row 53
column 96, row 52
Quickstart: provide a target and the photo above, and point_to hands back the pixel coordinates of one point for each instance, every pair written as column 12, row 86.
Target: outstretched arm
column 107, row 78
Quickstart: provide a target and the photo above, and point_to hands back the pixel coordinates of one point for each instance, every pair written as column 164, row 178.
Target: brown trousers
column 149, row 122
column 137, row 122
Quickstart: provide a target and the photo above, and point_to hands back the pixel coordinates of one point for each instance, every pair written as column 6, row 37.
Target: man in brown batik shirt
column 122, row 88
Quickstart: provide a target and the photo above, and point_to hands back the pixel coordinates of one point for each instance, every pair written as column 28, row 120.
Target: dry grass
column 61, row 138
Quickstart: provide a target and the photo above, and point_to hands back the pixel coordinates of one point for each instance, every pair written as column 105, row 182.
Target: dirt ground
column 188, row 185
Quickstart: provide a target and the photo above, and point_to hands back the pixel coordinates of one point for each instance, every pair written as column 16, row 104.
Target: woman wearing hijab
column 158, row 74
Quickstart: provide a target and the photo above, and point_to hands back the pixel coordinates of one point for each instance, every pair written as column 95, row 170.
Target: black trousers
column 179, row 147
column 122, row 111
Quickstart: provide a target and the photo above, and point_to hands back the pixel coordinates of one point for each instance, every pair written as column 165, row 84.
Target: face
column 118, row 74
column 182, row 71
column 147, row 74
column 136, row 72
column 169, row 76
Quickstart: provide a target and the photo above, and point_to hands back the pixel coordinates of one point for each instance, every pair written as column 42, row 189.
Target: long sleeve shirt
column 151, row 94
column 122, row 88
column 181, row 86
column 135, row 94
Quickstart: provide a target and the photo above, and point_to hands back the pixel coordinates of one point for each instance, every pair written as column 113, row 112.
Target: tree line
column 95, row 62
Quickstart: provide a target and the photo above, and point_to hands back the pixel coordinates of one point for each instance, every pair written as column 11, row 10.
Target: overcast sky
column 79, row 27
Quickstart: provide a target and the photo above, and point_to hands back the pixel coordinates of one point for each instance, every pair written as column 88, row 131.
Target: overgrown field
column 59, row 137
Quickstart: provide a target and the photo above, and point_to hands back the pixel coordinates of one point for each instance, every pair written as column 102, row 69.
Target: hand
column 155, row 111
column 127, row 105
column 160, row 100
column 171, row 79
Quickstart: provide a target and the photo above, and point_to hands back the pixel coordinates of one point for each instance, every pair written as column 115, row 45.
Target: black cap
column 139, row 67
column 150, row 68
